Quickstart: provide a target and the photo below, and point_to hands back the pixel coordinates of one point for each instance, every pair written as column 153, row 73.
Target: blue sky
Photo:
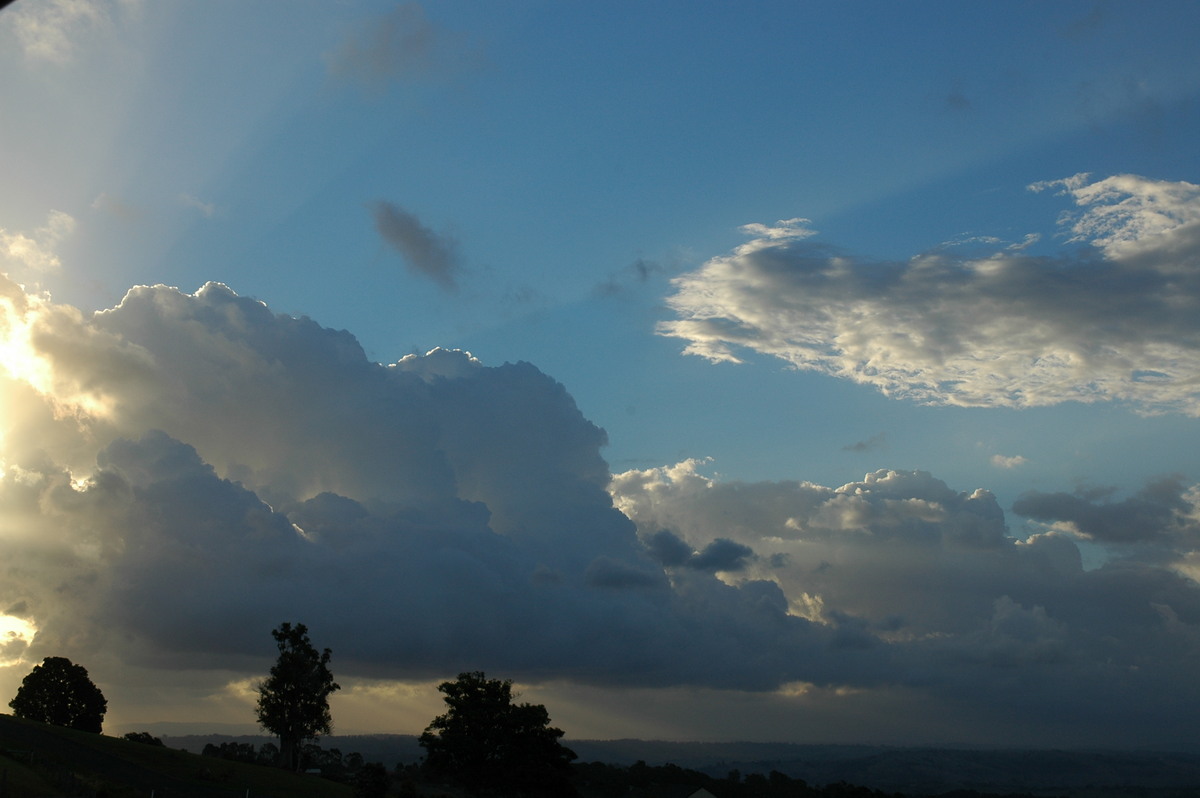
column 839, row 196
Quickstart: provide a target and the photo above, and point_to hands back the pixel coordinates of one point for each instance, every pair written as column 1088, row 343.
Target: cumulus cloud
column 427, row 253
column 198, row 457
column 401, row 45
column 900, row 564
column 1114, row 320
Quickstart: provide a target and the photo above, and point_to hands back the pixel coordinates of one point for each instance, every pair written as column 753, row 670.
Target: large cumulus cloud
column 182, row 472
column 1012, row 627
column 1117, row 319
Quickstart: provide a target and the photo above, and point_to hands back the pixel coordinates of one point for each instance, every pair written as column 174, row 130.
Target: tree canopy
column 293, row 701
column 59, row 692
column 490, row 745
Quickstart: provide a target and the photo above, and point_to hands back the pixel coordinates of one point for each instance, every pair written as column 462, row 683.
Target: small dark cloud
column 872, row 443
column 1087, row 24
column 524, row 295
column 957, row 101
column 667, row 548
column 635, row 274
column 721, row 555
column 402, row 45
column 426, row 252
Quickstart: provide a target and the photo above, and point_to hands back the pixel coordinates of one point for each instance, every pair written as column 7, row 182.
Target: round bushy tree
column 489, row 744
column 59, row 692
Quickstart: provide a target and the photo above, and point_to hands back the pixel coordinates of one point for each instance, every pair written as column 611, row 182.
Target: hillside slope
column 40, row 760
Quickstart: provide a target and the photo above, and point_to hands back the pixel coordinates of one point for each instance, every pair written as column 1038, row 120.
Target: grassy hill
column 38, row 760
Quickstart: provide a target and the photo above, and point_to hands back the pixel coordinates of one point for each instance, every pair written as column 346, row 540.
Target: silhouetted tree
column 489, row 744
column 293, row 702
column 371, row 781
column 59, row 692
column 268, row 754
column 146, row 738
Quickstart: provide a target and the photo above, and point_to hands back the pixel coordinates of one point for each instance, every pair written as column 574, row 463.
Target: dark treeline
column 598, row 780
column 588, row 780
column 370, row 779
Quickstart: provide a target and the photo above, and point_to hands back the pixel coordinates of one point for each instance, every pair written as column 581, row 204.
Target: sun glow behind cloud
column 18, row 357
column 16, row 634
column 27, row 326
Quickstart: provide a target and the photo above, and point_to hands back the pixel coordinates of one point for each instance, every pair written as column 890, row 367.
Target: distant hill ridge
column 891, row 769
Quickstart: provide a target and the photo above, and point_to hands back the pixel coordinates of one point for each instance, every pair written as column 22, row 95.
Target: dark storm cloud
column 898, row 564
column 1157, row 513
column 430, row 516
column 427, row 253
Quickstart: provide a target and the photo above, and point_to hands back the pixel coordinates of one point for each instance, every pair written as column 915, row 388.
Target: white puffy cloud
column 1117, row 320
column 1009, row 462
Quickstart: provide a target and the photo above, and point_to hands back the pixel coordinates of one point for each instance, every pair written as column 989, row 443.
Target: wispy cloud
column 50, row 31
column 636, row 274
column 206, row 209
column 1118, row 320
column 116, row 206
column 877, row 441
column 427, row 253
column 35, row 254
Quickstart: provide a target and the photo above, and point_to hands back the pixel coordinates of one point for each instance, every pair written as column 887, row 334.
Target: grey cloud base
column 183, row 472
column 988, row 626
column 426, row 517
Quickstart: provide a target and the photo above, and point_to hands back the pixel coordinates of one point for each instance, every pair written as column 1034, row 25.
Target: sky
column 779, row 371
